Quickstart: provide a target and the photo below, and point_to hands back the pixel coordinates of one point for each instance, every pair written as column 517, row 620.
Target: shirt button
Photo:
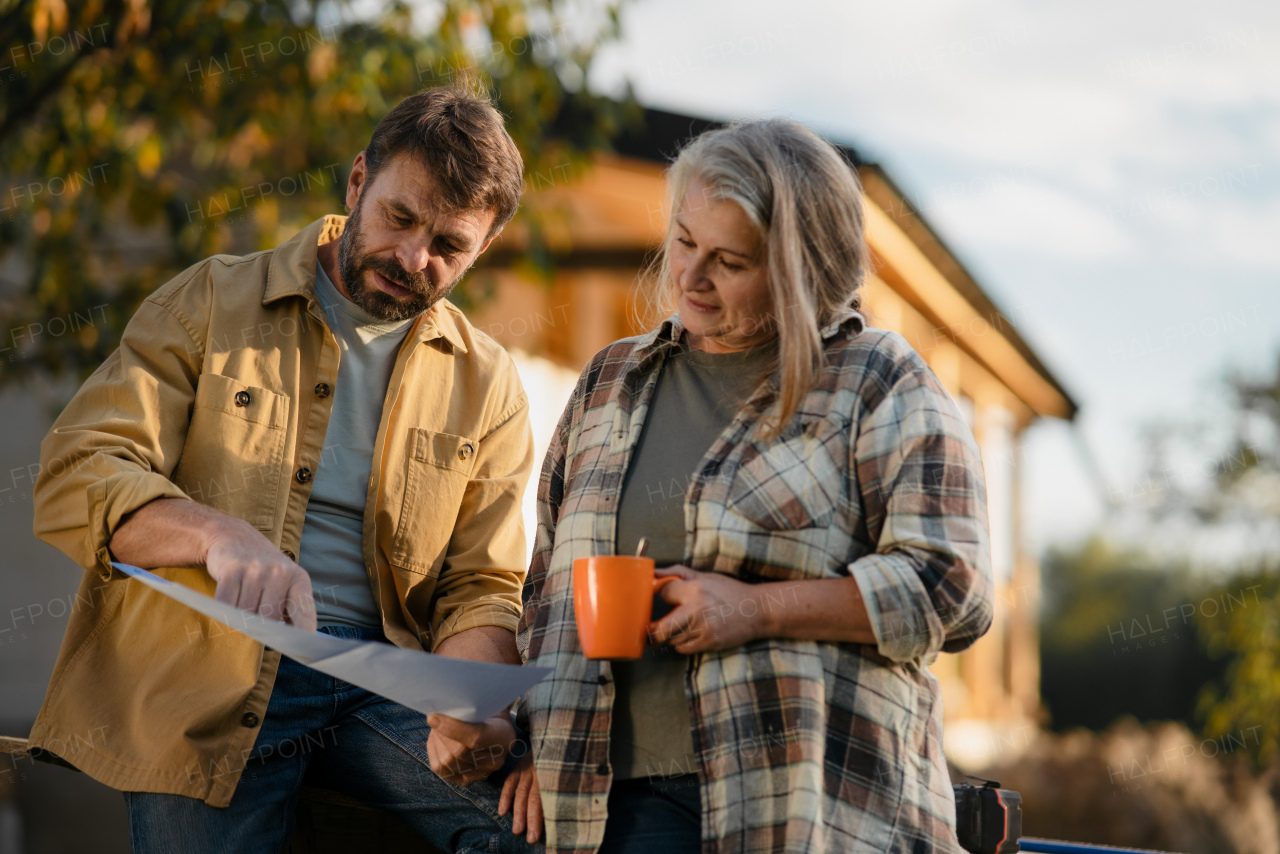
column 466, row 451
column 322, row 389
column 243, row 398
column 249, row 719
column 603, row 769
column 601, row 679
column 303, row 475
column 290, row 555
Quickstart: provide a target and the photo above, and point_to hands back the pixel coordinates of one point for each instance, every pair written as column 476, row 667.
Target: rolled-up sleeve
column 927, row 586
column 115, row 445
column 484, row 572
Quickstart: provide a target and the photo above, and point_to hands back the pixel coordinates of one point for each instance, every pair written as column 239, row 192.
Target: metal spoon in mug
column 642, row 547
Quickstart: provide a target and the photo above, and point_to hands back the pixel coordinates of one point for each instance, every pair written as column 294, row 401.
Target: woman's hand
column 520, row 790
column 462, row 752
column 712, row 611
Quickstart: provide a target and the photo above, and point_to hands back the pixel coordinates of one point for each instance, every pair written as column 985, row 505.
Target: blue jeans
column 340, row 737
column 663, row 815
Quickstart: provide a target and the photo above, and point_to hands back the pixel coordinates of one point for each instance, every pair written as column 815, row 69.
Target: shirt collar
column 845, row 317
column 293, row 273
column 669, row 331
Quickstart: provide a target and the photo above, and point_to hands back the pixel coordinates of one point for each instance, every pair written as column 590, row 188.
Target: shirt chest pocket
column 234, row 450
column 793, row 482
column 439, row 465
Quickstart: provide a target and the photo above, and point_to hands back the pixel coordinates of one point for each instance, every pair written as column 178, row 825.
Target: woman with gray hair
column 819, row 498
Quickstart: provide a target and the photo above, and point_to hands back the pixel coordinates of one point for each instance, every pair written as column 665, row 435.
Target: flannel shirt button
column 603, row 769
column 465, row 452
column 601, row 679
column 322, row 389
column 243, row 398
column 249, row 719
column 303, row 475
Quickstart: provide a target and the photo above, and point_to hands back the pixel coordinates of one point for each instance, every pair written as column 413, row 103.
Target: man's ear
column 356, row 180
column 488, row 241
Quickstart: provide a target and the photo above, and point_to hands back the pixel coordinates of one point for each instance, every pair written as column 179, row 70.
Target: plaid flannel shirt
column 802, row 745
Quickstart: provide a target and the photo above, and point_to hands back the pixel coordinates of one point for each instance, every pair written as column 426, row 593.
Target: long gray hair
column 807, row 202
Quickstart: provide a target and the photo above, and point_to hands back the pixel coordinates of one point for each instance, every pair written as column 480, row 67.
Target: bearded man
column 312, row 433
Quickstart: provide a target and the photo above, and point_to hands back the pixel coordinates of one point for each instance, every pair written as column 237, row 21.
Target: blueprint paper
column 431, row 684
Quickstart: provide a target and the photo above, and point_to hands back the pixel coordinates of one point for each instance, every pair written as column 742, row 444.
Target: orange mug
column 613, row 603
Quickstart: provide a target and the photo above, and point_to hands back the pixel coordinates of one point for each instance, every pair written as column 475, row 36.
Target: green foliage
column 1249, row 695
column 1222, row 669
column 1248, row 493
column 1119, row 638
column 140, row 136
column 1099, row 585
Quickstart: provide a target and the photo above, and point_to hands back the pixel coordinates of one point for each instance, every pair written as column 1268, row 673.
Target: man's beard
column 353, row 262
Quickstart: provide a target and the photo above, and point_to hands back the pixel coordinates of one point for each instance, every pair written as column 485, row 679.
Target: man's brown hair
column 458, row 135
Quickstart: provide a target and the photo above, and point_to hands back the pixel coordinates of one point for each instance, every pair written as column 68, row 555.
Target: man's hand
column 462, row 752
column 254, row 575
column 520, row 790
column 712, row 611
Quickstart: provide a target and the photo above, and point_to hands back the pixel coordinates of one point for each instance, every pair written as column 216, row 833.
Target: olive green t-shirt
column 697, row 396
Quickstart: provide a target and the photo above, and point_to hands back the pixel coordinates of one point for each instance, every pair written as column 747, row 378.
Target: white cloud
column 1248, row 237
column 1033, row 218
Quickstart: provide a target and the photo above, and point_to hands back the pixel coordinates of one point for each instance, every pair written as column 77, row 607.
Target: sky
column 1108, row 171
